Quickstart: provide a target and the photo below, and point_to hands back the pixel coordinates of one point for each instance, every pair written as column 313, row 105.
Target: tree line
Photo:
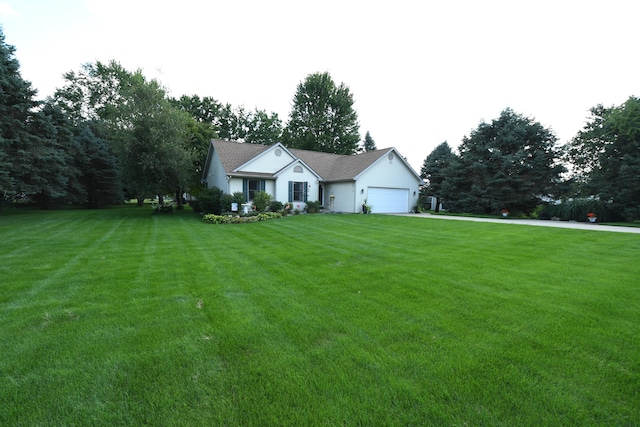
column 514, row 164
column 110, row 134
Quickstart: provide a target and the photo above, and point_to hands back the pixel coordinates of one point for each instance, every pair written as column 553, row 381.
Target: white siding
column 235, row 185
column 281, row 192
column 343, row 201
column 268, row 162
column 389, row 173
column 270, row 187
column 216, row 176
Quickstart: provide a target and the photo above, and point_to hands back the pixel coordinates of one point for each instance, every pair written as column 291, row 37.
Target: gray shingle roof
column 338, row 167
column 331, row 167
column 235, row 154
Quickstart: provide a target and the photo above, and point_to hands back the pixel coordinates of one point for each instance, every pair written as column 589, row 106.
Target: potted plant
column 366, row 208
column 505, row 212
column 592, row 217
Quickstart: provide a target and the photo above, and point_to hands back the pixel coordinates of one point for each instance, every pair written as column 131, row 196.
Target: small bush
column 238, row 197
column 275, row 206
column 210, row 201
column 577, row 210
column 226, row 203
column 162, row 209
column 265, row 216
column 261, row 200
column 229, row 199
column 313, row 207
column 195, row 205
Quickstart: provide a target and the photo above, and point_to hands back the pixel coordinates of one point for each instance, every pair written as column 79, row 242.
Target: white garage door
column 388, row 200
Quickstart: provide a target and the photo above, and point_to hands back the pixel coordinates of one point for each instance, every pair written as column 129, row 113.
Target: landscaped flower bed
column 237, row 219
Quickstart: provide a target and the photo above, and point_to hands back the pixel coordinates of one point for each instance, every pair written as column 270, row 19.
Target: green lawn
column 120, row 317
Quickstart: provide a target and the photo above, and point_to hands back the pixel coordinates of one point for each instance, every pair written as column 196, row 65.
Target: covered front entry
column 388, row 200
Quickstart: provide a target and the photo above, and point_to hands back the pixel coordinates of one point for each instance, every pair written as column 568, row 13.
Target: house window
column 297, row 191
column 251, row 186
column 298, row 169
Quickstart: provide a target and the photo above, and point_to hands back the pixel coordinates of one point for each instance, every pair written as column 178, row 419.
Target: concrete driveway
column 533, row 222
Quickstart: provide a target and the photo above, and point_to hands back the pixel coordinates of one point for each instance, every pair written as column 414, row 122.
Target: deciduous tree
column 584, row 150
column 149, row 136
column 263, row 128
column 322, row 117
column 605, row 157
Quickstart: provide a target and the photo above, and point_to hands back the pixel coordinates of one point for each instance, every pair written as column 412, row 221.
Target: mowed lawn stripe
column 318, row 319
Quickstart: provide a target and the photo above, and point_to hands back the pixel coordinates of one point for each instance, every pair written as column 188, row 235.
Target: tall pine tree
column 16, row 112
column 369, row 144
column 436, row 170
column 100, row 177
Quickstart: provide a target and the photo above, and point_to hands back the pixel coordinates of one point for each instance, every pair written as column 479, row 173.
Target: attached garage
column 383, row 179
column 388, row 200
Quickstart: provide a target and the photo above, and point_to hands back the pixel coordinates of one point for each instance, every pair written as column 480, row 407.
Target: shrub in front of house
column 229, row 199
column 265, row 216
column 210, row 201
column 313, row 207
column 261, row 199
column 195, row 205
column 275, row 206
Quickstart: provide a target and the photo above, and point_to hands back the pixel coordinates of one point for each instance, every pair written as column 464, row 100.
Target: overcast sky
column 421, row 72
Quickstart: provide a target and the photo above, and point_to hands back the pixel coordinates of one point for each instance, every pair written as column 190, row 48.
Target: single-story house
column 341, row 183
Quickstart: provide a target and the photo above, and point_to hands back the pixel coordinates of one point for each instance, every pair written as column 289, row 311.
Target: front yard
column 121, row 317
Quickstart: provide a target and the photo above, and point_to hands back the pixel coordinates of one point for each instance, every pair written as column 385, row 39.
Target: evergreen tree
column 36, row 141
column 56, row 180
column 70, row 151
column 509, row 163
column 436, row 170
column 100, row 177
column 368, row 144
column 16, row 106
column 6, row 181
